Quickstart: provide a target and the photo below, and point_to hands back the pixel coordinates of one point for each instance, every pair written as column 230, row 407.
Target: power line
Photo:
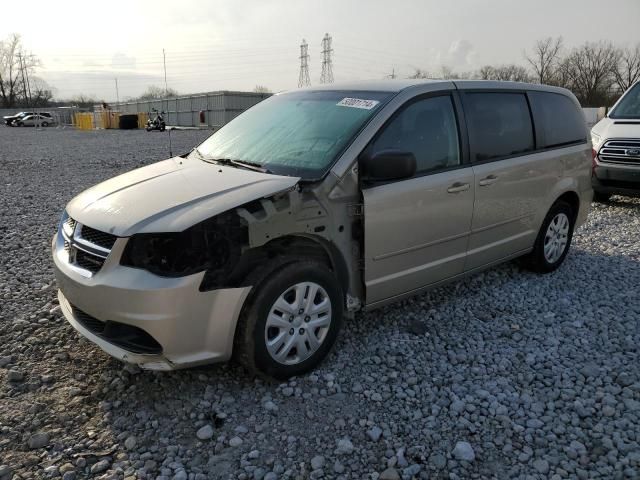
column 327, row 65
column 303, row 79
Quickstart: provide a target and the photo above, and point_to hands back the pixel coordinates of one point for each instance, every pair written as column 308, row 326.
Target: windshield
column 298, row 133
column 629, row 105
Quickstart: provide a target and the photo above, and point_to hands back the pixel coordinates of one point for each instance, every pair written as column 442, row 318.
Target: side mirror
column 387, row 165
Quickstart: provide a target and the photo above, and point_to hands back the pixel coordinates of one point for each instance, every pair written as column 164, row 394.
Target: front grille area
column 87, row 261
column 87, row 321
column 86, row 248
column 621, row 152
column 127, row 337
column 102, row 239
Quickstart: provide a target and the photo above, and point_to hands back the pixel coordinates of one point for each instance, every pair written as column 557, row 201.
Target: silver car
column 35, row 120
column 315, row 204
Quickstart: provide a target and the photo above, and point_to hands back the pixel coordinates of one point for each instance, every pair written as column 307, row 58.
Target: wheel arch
column 570, row 197
column 311, row 247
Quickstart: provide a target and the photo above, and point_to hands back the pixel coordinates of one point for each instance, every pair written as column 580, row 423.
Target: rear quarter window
column 499, row 124
column 559, row 121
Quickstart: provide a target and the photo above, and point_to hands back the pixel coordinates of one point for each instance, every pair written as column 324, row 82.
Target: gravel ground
column 503, row 375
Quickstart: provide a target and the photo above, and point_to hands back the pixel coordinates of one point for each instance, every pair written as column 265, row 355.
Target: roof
column 374, row 85
column 399, row 85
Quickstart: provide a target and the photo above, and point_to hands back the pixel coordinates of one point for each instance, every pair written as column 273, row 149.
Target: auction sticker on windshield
column 357, row 103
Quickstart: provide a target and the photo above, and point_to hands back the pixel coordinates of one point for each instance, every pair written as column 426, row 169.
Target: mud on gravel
column 506, row 374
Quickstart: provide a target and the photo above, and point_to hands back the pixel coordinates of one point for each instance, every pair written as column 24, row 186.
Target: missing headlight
column 214, row 244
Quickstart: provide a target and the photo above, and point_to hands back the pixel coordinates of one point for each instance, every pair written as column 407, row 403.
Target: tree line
column 596, row 72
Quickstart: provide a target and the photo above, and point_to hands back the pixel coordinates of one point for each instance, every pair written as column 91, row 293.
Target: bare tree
column 420, row 73
column 261, row 89
column 41, row 92
column 13, row 60
column 511, row 72
column 588, row 70
column 84, row 101
column 448, row 73
column 626, row 71
column 545, row 58
column 153, row 92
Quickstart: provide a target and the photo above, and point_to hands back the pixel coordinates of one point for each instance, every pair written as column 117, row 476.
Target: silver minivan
column 315, row 204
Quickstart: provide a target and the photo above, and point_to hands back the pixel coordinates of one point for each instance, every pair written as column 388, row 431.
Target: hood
column 170, row 196
column 609, row 128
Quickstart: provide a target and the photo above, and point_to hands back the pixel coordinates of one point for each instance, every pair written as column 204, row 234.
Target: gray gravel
column 504, row 375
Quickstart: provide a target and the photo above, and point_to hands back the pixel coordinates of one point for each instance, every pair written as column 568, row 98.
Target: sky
column 85, row 45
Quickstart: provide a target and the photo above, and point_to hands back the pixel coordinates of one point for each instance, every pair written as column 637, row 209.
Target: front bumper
column 616, row 179
column 191, row 327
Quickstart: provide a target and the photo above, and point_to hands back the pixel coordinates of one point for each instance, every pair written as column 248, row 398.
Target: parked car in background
column 9, row 119
column 41, row 119
column 314, row 204
column 616, row 149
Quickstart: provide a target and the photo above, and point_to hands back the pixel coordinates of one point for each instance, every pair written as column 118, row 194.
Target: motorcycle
column 156, row 123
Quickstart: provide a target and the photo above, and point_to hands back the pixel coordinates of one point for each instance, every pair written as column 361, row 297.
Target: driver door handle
column 485, row 182
column 458, row 187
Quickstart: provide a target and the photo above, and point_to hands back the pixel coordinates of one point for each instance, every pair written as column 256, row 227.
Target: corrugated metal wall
column 218, row 107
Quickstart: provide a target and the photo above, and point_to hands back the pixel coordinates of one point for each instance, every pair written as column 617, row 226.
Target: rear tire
column 290, row 320
column 601, row 197
column 553, row 240
column 44, row 124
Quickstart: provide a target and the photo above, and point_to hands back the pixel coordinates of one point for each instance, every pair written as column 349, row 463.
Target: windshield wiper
column 242, row 163
column 198, row 153
column 232, row 161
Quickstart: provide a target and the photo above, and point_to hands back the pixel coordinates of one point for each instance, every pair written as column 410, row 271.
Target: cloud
column 120, row 61
column 459, row 55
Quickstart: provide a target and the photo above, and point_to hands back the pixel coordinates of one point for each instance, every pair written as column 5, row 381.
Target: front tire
column 553, row 240
column 288, row 326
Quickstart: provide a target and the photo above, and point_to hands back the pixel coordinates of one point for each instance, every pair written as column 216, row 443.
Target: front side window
column 428, row 129
column 298, row 133
column 559, row 119
column 499, row 124
column 629, row 105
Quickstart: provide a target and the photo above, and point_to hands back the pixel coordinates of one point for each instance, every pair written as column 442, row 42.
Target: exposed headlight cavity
column 214, row 244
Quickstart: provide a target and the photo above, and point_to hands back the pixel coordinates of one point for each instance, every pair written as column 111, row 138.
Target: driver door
column 416, row 230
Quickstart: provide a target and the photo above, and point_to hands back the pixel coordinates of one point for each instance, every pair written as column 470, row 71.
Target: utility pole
column 327, row 65
column 392, row 75
column 303, row 79
column 117, row 94
column 164, row 61
column 166, row 90
column 24, row 82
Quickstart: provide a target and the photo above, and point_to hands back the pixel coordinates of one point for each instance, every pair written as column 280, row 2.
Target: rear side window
column 499, row 125
column 558, row 119
column 428, row 129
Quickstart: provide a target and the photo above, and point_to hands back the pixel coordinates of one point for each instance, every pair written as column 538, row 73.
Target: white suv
column 616, row 149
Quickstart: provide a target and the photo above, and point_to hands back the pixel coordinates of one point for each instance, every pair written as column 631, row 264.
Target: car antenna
column 170, row 150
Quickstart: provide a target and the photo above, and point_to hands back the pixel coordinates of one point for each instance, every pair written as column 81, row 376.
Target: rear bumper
column 616, row 180
column 191, row 327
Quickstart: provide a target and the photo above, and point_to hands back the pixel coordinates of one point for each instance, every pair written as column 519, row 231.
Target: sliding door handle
column 458, row 187
column 490, row 180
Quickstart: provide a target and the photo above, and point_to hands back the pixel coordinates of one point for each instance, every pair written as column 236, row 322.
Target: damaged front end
column 214, row 245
